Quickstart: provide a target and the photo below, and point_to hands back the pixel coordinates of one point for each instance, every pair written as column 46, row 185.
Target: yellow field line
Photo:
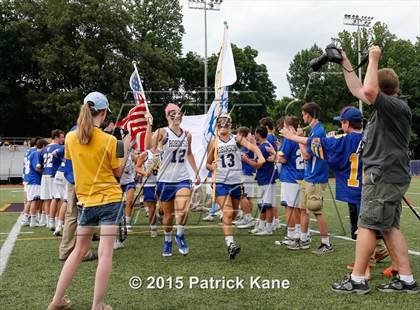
column 4, row 208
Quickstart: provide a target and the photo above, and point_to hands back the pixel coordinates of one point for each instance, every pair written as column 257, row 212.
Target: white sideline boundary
column 8, row 245
column 350, row 239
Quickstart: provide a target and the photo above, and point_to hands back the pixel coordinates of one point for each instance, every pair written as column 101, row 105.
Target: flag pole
column 142, row 90
column 216, row 134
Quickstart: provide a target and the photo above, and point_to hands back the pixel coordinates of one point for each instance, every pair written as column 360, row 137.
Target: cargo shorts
column 381, row 202
column 311, row 197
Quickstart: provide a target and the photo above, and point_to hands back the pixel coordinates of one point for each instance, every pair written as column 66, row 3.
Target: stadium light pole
column 359, row 21
column 205, row 5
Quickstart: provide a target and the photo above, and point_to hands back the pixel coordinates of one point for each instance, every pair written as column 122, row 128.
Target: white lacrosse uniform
column 173, row 174
column 229, row 162
column 151, row 180
column 173, row 168
column 229, row 168
column 129, row 172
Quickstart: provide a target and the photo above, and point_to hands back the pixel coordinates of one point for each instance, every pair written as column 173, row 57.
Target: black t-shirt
column 386, row 137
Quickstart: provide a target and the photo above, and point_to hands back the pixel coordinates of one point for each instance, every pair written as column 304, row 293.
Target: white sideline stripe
column 21, row 233
column 350, row 239
column 8, row 245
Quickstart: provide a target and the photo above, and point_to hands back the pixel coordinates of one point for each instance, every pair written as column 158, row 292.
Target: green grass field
column 33, row 268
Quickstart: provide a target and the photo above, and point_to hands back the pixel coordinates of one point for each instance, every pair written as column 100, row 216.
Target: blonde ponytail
column 85, row 124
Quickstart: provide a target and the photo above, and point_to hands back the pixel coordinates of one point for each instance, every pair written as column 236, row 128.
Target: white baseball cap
column 100, row 102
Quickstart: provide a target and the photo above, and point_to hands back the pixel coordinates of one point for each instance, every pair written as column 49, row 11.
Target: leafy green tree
column 158, row 22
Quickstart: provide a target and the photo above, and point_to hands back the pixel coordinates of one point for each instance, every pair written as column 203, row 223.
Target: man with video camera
column 384, row 150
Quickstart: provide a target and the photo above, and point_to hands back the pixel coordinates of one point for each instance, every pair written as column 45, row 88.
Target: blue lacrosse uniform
column 294, row 169
column 59, row 153
column 247, row 169
column 316, row 169
column 51, row 162
column 340, row 152
column 34, row 177
column 267, row 174
column 26, row 164
column 272, row 139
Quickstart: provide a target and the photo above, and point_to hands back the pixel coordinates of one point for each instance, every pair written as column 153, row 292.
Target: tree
column 56, row 51
column 158, row 22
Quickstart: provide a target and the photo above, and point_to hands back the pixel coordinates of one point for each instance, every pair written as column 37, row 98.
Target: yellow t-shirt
column 93, row 164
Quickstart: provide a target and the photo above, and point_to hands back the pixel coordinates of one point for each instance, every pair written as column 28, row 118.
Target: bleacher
column 11, row 161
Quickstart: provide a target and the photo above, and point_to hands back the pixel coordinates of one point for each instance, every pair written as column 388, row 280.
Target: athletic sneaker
column 118, row 245
column 245, row 223
column 51, row 225
column 153, row 233
column 25, row 222
column 36, row 224
column 299, row 245
column 182, row 244
column 348, row 286
column 323, row 249
column 286, row 241
column 208, row 218
column 233, row 249
column 57, row 231
column 167, row 248
column 399, row 286
column 257, row 227
column 276, row 224
column 264, row 232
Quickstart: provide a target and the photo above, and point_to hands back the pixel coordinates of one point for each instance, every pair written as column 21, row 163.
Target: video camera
column 332, row 54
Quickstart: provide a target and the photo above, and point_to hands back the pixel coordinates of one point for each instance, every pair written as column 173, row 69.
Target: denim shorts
column 108, row 214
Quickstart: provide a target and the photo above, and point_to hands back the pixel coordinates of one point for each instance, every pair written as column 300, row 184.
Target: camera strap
column 362, row 63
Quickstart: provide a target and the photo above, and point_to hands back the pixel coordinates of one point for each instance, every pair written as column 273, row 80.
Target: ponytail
column 85, row 123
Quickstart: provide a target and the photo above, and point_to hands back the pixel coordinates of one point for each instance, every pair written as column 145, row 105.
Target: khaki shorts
column 381, row 203
column 311, row 197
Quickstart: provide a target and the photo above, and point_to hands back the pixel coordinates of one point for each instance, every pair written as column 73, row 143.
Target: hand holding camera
column 374, row 53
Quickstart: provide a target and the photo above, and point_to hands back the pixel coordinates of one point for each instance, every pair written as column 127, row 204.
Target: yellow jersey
column 93, row 164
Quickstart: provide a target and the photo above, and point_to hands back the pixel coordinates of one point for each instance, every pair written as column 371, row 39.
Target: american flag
column 135, row 122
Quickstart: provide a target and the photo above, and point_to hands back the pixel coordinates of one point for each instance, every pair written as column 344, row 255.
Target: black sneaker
column 399, row 286
column 348, row 286
column 323, row 249
column 233, row 249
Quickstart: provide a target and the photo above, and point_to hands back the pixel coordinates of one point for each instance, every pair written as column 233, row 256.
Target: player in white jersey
column 173, row 179
column 228, row 170
column 128, row 186
column 147, row 167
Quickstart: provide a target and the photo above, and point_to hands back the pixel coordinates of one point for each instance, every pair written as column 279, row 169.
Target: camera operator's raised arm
column 367, row 91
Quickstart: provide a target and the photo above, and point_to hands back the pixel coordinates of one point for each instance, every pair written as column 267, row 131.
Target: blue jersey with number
column 35, row 160
column 316, row 169
column 247, row 169
column 294, row 169
column 341, row 154
column 51, row 163
column 26, row 163
column 267, row 174
column 59, row 153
